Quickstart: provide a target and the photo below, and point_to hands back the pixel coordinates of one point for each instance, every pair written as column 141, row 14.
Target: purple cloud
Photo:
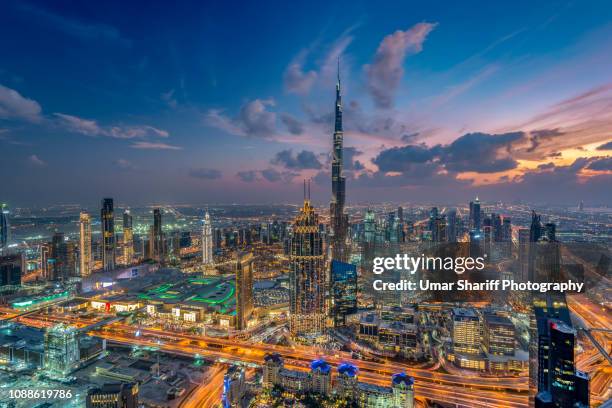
column 386, row 72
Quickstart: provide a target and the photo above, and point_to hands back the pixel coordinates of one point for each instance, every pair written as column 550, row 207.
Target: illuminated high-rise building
column 157, row 237
column 343, row 291
column 466, row 331
column 61, row 350
column 338, row 219
column 120, row 395
column 451, row 225
column 369, row 227
column 498, row 335
column 85, row 256
column 244, row 289
column 12, row 267
column 307, row 274
column 128, row 238
column 4, row 226
column 403, row 390
column 107, row 219
column 207, row 241
column 475, row 214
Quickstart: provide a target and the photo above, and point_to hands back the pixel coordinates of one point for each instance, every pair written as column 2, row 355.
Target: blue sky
column 215, row 102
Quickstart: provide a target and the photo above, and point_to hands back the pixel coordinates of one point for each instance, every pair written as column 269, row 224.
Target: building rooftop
column 498, row 320
column 347, row 369
column 320, row 365
column 463, row 312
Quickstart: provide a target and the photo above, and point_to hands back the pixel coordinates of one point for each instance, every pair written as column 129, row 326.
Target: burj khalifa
column 338, row 219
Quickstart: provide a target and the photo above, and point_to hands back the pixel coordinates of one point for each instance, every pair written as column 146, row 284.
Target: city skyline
column 171, row 116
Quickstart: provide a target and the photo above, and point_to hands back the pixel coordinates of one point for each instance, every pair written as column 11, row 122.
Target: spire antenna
column 308, row 189
column 304, row 189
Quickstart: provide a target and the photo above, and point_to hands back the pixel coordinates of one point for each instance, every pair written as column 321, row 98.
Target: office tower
column 272, row 365
column 559, row 383
column 207, row 241
column 4, row 226
column 498, row 335
column 438, row 231
column 475, row 214
column 507, row 230
column 466, row 331
column 433, row 214
column 451, row 225
column 107, row 220
column 400, row 214
column 128, row 238
column 550, row 231
column 157, row 243
column 496, row 223
column 120, row 395
column 320, row 373
column 61, row 350
column 234, row 387
column 403, row 391
column 535, row 230
column 369, row 227
column 581, row 206
column 338, row 219
column 244, row 289
column 476, row 243
column 61, row 258
column 46, row 255
column 535, row 233
column 307, row 274
column 85, row 256
column 523, row 255
column 343, row 290
column 11, row 269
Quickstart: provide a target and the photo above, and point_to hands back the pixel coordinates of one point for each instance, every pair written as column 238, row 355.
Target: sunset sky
column 218, row 102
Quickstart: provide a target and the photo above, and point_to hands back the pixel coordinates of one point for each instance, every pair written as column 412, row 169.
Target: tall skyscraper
column 128, row 238
column 207, row 241
column 61, row 262
column 338, row 219
column 343, row 291
column 475, row 214
column 157, row 236
column 307, row 274
column 4, row 226
column 451, row 225
column 107, row 219
column 244, row 289
column 61, row 350
column 12, row 267
column 85, row 258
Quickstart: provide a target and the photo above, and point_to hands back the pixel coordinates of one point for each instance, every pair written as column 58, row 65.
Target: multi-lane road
column 474, row 391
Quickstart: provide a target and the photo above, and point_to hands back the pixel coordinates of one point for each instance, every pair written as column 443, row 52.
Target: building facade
column 85, row 255
column 107, row 219
column 307, row 275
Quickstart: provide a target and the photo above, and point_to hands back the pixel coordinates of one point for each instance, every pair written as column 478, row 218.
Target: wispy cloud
column 386, row 71
column 205, row 173
column 90, row 127
column 15, row 106
column 154, row 146
column 254, row 119
column 89, row 31
column 124, row 164
column 36, row 161
column 300, row 81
